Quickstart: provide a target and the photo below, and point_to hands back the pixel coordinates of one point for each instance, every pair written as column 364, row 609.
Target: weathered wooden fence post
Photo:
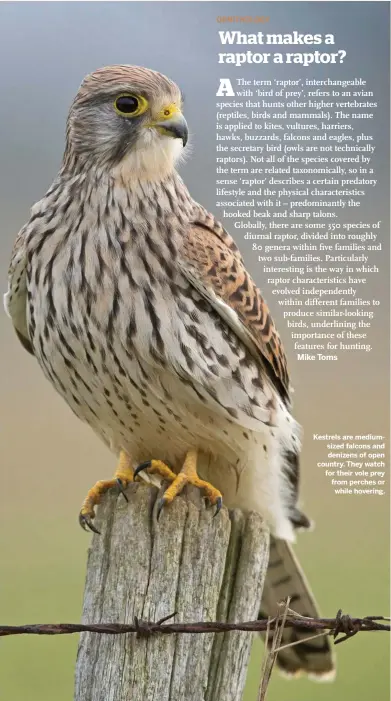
column 204, row 568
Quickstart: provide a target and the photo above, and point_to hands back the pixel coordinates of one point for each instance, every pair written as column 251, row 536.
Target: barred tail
column 286, row 578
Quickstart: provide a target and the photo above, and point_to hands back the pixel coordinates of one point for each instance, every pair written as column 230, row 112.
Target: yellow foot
column 122, row 476
column 187, row 475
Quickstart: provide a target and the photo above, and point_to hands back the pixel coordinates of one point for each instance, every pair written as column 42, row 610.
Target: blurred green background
column 49, row 459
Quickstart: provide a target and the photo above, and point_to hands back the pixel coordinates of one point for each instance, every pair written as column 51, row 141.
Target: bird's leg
column 124, row 472
column 122, row 476
column 187, row 475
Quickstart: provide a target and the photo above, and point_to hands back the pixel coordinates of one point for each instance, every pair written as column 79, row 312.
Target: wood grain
column 203, row 568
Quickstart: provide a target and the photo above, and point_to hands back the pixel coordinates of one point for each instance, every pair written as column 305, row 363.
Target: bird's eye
column 128, row 105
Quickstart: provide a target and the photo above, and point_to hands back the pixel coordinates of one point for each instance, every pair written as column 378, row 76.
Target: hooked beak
column 171, row 122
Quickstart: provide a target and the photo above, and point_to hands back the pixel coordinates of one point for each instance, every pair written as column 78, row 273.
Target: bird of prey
column 137, row 306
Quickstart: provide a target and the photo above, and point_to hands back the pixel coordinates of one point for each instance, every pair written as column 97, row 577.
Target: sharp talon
column 144, row 466
column 93, row 528
column 82, row 522
column 160, row 506
column 86, row 523
column 121, row 488
column 219, row 504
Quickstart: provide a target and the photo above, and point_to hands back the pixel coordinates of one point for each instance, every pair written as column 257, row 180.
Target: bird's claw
column 123, row 475
column 143, row 466
column 219, row 504
column 160, row 506
column 165, row 472
column 178, row 481
column 162, row 503
column 85, row 521
column 122, row 488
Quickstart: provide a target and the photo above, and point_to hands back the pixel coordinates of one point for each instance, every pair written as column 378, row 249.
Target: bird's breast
column 119, row 343
column 110, row 311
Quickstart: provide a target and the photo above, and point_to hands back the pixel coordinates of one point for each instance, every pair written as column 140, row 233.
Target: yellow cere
column 167, row 112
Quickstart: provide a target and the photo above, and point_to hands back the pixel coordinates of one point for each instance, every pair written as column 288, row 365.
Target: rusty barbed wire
column 342, row 625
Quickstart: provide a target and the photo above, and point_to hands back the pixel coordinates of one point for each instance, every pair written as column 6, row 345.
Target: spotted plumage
column 137, row 306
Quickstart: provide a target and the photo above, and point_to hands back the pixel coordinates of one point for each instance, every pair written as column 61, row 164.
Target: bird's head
column 128, row 120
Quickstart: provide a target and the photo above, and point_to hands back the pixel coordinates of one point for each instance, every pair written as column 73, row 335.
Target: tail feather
column 286, row 578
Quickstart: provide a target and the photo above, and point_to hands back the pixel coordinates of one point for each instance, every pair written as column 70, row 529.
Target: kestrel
column 137, row 306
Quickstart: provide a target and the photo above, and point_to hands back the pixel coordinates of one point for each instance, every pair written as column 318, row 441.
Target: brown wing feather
column 215, row 259
column 27, row 345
